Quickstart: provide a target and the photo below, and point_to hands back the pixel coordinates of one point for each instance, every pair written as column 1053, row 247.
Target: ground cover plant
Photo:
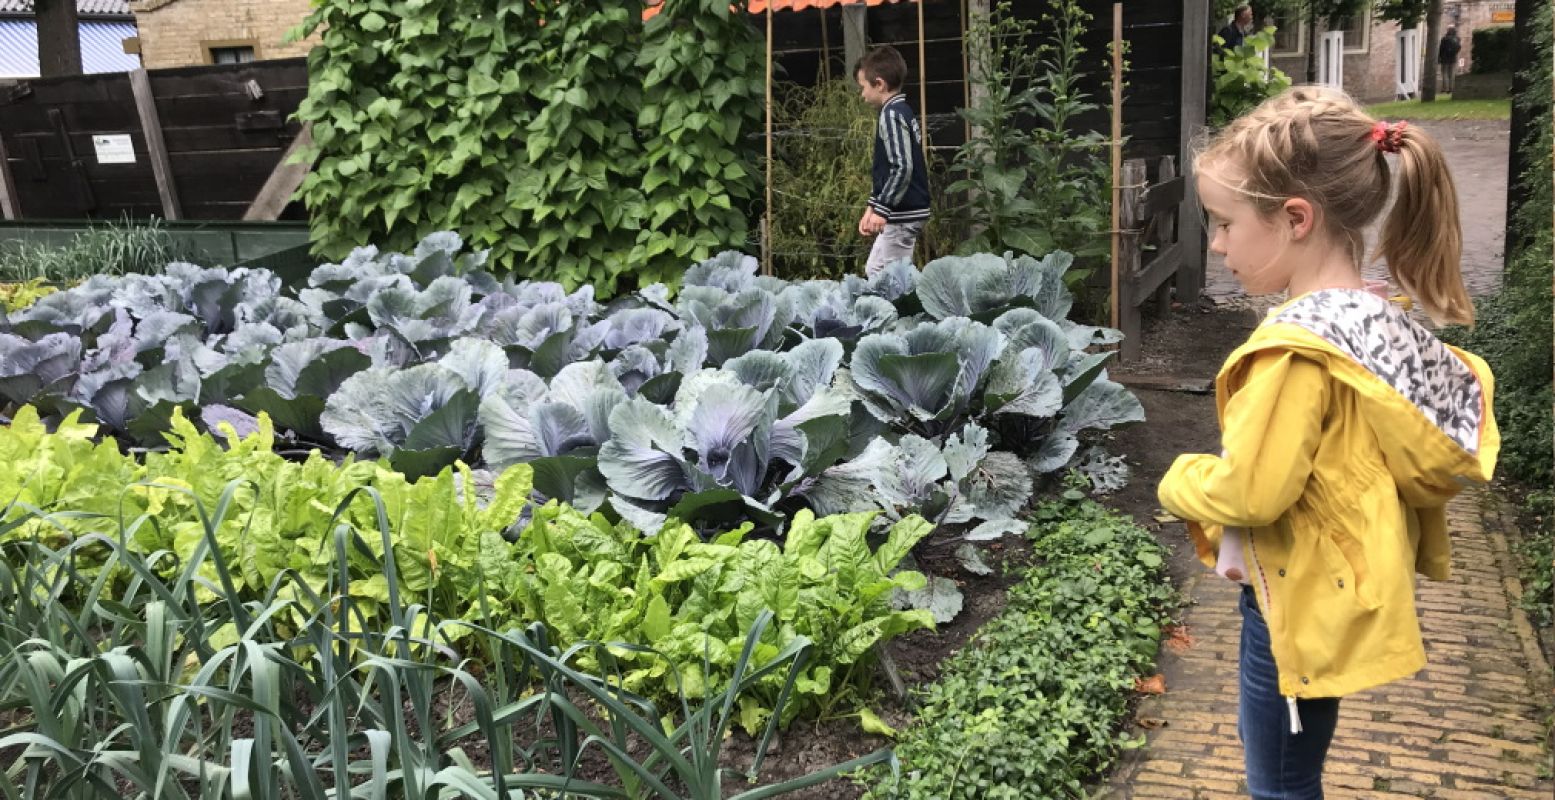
column 742, row 398
column 1032, row 707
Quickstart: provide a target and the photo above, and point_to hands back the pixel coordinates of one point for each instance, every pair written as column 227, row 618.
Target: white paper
column 114, row 149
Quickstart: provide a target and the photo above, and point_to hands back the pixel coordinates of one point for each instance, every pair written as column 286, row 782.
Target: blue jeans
column 1280, row 765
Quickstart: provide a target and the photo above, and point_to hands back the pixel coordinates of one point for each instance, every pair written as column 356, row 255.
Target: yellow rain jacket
column 1346, row 429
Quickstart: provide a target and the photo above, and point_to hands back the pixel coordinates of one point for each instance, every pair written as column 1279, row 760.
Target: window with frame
column 232, row 55
column 1287, row 31
column 1357, row 32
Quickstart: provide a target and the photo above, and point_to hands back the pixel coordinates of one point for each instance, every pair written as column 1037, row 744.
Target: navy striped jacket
column 901, row 183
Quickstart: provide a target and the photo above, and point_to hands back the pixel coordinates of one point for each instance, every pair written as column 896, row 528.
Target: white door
column 1330, row 59
column 1409, row 63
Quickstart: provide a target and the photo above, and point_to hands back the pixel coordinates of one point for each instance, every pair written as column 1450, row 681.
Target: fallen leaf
column 1178, row 639
column 1166, row 516
column 1155, row 684
column 1151, row 723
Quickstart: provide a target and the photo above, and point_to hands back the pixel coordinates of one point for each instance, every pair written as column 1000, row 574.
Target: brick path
column 1469, row 726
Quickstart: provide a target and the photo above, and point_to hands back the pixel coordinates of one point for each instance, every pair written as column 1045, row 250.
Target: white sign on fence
column 114, row 149
column 1409, row 63
column 1330, row 59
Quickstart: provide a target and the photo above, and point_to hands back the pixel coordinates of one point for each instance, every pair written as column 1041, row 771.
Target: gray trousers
column 893, row 244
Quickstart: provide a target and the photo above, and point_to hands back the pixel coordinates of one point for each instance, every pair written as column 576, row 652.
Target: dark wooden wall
column 1153, row 92
column 222, row 142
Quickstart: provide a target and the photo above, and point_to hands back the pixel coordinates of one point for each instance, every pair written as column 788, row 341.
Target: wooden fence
column 1152, row 251
column 189, row 143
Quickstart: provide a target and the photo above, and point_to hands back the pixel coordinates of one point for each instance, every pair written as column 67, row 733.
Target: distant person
column 1447, row 58
column 899, row 202
column 1237, row 30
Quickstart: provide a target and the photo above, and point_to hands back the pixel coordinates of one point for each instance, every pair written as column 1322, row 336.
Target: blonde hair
column 1317, row 144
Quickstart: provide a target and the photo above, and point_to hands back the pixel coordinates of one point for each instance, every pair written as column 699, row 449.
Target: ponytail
column 1422, row 239
column 1319, row 144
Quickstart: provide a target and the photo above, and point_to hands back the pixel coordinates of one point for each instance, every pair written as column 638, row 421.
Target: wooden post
column 1166, row 231
column 10, row 202
column 966, row 73
column 825, row 48
column 283, row 181
column 1130, row 252
column 156, row 148
column 766, row 223
column 1117, row 155
column 1195, row 79
column 923, row 86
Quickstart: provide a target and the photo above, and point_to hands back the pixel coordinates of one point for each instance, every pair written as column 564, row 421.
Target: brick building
column 179, row 33
column 1371, row 45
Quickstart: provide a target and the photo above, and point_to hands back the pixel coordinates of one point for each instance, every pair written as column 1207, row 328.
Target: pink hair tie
column 1388, row 137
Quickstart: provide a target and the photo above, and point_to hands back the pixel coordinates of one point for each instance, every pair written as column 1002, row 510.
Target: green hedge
column 1032, row 707
column 1493, row 48
column 1513, row 332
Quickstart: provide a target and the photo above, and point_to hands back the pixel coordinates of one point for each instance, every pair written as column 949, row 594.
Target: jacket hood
column 1429, row 404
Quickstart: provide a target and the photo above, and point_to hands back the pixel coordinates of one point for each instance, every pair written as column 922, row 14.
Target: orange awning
column 760, row 6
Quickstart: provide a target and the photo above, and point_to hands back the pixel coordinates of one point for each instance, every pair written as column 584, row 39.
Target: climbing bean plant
column 573, row 140
column 701, row 63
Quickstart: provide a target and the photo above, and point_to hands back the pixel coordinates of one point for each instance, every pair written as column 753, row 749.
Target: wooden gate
column 1151, row 251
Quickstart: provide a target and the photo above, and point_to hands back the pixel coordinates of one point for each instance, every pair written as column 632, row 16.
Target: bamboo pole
column 923, row 86
column 1117, row 150
column 825, row 48
column 766, row 222
column 966, row 73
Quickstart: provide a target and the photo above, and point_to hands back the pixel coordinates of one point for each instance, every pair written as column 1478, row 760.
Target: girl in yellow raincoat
column 1346, row 426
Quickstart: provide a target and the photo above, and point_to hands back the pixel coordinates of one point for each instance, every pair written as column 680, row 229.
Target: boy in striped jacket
column 899, row 204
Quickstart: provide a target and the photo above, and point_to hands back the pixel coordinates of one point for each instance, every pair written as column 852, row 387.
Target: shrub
column 1493, row 49
column 1241, row 79
column 1513, row 330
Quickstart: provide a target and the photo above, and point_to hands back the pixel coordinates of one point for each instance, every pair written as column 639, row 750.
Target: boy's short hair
column 883, row 63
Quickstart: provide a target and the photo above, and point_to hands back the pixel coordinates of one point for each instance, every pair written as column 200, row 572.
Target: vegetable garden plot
column 944, row 392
